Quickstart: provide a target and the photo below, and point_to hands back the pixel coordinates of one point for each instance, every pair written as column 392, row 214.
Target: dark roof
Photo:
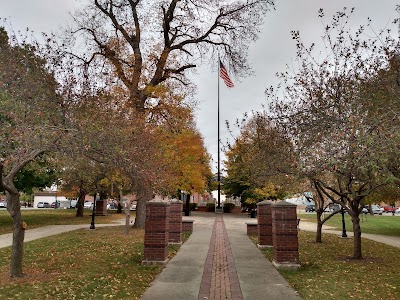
column 46, row 194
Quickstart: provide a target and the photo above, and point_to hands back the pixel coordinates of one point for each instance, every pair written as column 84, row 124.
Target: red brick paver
column 220, row 280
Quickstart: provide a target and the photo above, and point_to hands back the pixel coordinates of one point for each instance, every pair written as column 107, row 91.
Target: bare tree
column 336, row 116
column 146, row 45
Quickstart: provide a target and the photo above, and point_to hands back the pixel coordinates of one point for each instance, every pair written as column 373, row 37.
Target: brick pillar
column 175, row 222
column 284, row 236
column 156, row 232
column 264, row 227
column 187, row 225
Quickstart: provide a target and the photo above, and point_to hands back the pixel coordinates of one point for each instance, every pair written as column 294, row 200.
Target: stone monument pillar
column 101, row 208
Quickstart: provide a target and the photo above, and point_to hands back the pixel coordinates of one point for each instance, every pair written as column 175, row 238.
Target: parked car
column 73, row 203
column 55, row 205
column 389, row 209
column 112, row 205
column 376, row 209
column 397, row 210
column 310, row 208
column 334, row 207
column 3, row 204
column 43, row 205
column 88, row 205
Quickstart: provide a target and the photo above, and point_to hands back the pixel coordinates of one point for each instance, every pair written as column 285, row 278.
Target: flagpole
column 219, row 173
column 223, row 73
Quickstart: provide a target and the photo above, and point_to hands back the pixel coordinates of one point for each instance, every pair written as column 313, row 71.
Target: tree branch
column 133, row 40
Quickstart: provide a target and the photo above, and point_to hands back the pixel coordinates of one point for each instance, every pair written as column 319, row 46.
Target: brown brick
column 284, row 233
column 252, row 229
column 175, row 222
column 187, row 225
column 156, row 231
column 264, row 220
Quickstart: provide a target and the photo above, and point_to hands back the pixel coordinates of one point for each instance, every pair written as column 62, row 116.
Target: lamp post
column 187, row 206
column 92, row 226
column 344, row 234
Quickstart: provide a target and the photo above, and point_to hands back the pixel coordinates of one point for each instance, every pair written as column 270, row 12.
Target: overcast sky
column 268, row 55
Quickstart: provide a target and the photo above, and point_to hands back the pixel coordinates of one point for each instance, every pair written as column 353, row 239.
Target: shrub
column 228, row 207
column 193, row 206
column 210, row 206
column 250, row 203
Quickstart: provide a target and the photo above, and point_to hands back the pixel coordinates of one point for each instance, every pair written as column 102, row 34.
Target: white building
column 50, row 197
column 215, row 196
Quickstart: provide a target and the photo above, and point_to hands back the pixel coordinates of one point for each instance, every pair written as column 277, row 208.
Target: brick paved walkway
column 220, row 280
column 219, row 245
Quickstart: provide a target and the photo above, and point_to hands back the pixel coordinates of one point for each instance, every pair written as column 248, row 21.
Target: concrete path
column 45, row 231
column 182, row 277
column 389, row 240
column 258, row 278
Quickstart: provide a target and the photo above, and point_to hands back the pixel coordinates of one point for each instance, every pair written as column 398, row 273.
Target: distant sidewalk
column 385, row 239
column 45, row 231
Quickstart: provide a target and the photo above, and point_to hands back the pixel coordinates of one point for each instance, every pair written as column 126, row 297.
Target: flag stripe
column 224, row 75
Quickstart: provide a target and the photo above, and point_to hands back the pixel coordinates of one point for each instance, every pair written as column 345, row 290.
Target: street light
column 187, row 205
column 344, row 234
column 92, row 226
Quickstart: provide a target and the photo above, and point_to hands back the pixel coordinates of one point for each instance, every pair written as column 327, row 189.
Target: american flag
column 224, row 75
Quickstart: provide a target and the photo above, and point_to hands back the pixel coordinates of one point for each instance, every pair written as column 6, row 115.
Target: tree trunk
column 127, row 212
column 80, row 203
column 318, row 237
column 13, row 206
column 127, row 220
column 142, row 198
column 140, row 213
column 119, row 209
column 357, row 253
column 79, row 210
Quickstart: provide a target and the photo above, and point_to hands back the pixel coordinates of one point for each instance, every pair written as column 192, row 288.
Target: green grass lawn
column 43, row 217
column 327, row 272
column 385, row 224
column 83, row 264
column 106, row 264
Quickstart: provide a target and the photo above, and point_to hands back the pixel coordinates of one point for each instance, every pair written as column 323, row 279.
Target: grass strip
column 43, row 217
column 328, row 272
column 84, row 264
column 384, row 225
